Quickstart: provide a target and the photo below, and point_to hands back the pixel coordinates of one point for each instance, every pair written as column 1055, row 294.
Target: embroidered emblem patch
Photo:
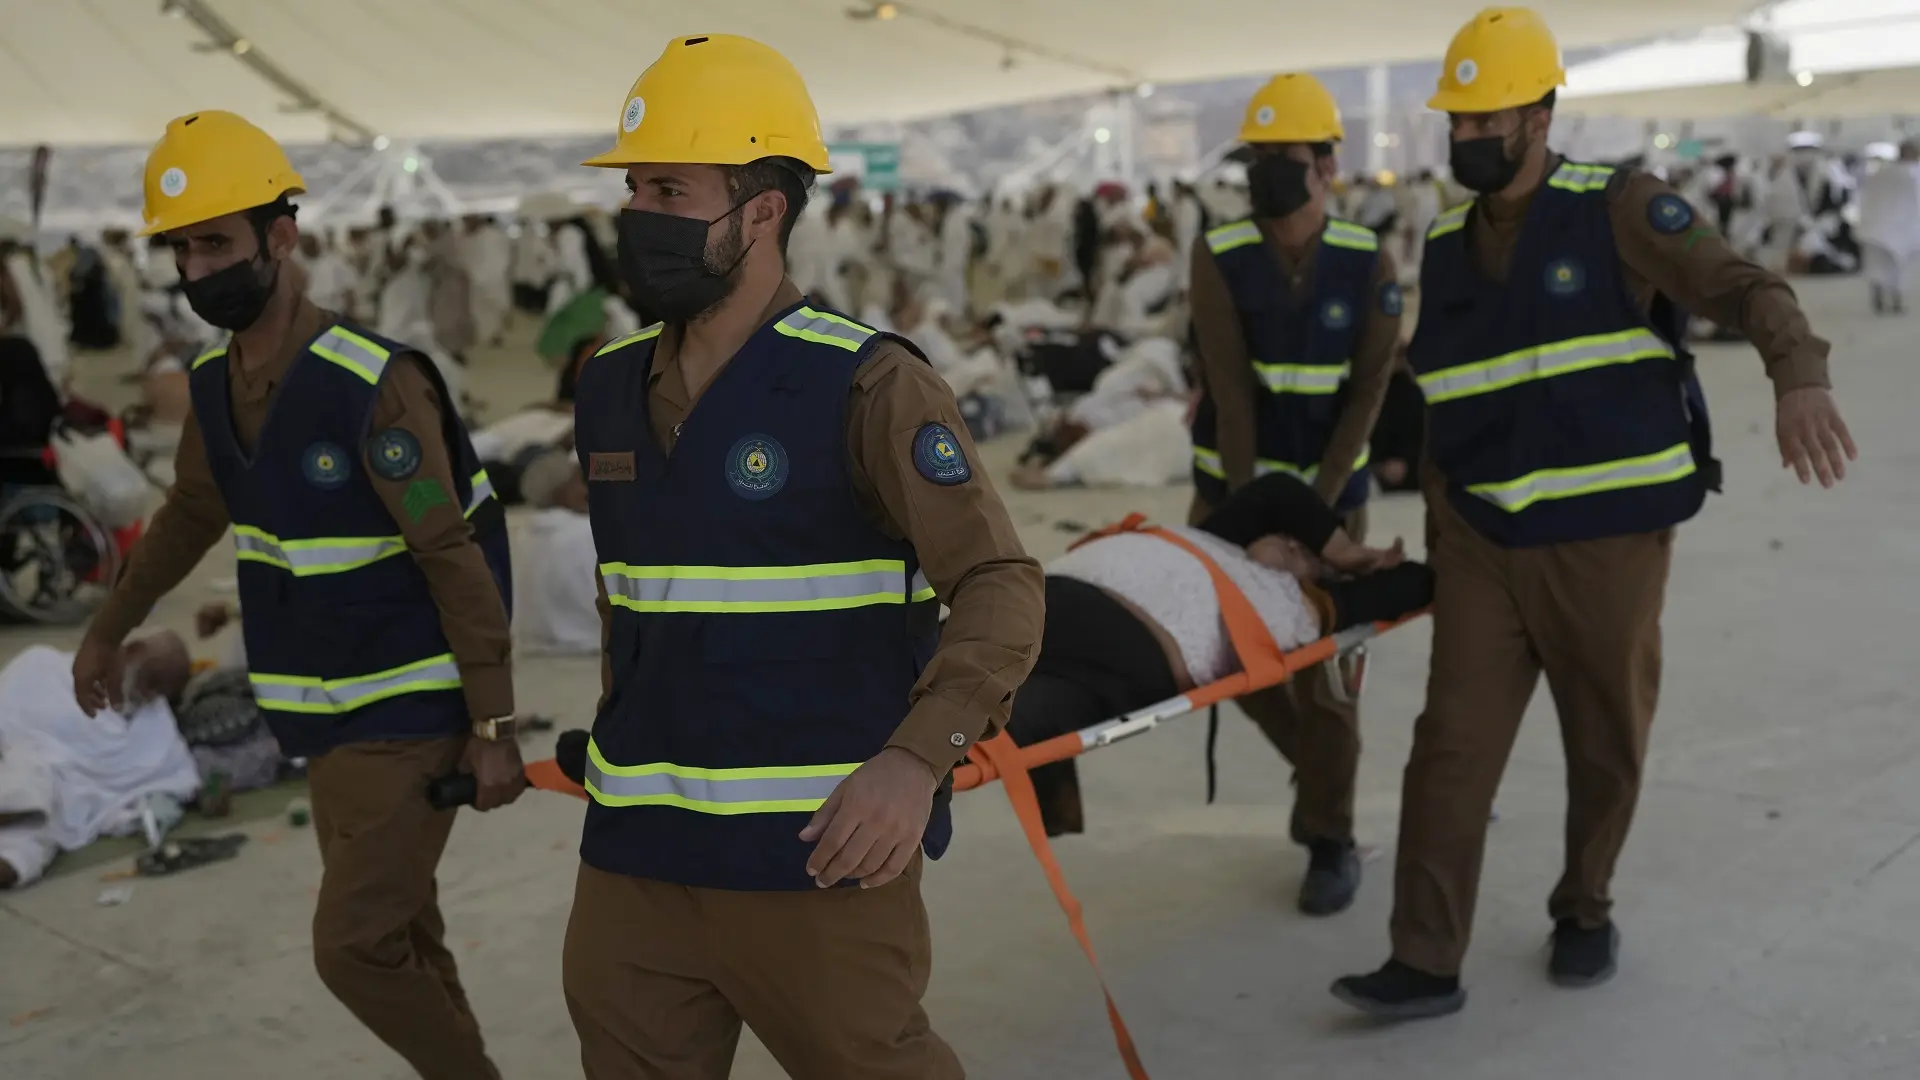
column 1392, row 301
column 326, row 465
column 394, row 454
column 1565, row 277
column 611, row 466
column 937, row 456
column 1336, row 315
column 1669, row 214
column 757, row 467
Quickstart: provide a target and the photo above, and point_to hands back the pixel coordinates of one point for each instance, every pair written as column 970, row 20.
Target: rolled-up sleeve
column 424, row 502
column 967, row 547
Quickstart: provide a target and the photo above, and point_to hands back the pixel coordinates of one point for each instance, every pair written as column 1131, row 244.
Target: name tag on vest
column 610, row 466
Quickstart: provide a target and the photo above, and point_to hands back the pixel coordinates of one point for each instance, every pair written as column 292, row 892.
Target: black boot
column 1582, row 957
column 1332, row 878
column 1399, row 992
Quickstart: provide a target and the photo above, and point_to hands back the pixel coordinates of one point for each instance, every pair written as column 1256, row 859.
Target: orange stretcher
column 1262, row 664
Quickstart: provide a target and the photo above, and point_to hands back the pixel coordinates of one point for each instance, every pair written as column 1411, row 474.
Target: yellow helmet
column 1504, row 58
column 211, row 164
column 1292, row 108
column 717, row 100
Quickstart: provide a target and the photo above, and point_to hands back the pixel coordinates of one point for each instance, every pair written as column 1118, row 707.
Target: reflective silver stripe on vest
column 482, row 491
column 1345, row 234
column 1542, row 362
column 309, row 694
column 353, row 352
column 1303, row 378
column 1581, row 178
column 825, row 328
column 625, row 340
column 1227, row 237
column 1450, row 220
column 921, row 588
column 311, row 558
column 1514, row 496
column 826, row 587
column 1208, row 462
column 775, row 790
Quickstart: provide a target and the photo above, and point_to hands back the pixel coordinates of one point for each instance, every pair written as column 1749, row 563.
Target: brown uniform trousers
column 1315, row 725
column 1586, row 614
column 659, row 978
column 377, row 930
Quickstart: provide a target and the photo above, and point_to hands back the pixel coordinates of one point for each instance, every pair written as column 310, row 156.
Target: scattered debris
column 216, row 794
column 1776, row 545
column 1773, row 815
column 115, row 896
column 1071, row 527
column 537, row 723
column 299, row 812
column 187, row 853
column 29, row 1016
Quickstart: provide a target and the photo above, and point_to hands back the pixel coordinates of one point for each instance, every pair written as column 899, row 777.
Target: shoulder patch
column 1669, row 214
column 938, row 458
column 393, row 454
column 1392, row 301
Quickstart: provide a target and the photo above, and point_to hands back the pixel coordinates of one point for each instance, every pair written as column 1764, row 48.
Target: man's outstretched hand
column 97, row 676
column 871, row 825
column 1814, row 440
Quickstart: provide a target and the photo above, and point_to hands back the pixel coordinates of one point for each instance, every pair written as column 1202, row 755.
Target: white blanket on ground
column 555, row 585
column 87, row 776
column 1149, row 449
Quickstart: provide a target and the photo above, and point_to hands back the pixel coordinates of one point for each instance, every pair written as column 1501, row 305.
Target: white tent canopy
column 114, row 71
column 1851, row 57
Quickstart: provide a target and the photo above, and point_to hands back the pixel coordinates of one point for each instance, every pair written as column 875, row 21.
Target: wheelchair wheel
column 57, row 563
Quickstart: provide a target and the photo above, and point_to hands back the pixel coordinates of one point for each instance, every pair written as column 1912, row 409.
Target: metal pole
column 1377, row 117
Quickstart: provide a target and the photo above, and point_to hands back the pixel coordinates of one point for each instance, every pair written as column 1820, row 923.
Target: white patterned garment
column 1175, row 590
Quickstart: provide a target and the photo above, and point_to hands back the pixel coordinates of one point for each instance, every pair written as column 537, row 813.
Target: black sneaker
column 1333, row 877
column 1399, row 992
column 1582, row 957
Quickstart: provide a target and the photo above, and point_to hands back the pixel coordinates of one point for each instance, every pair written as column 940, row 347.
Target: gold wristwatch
column 498, row 729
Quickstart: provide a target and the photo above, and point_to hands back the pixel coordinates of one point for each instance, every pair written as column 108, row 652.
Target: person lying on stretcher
column 1133, row 620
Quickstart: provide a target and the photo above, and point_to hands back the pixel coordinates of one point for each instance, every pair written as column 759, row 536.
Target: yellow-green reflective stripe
column 1345, row 234
column 1303, row 378
column 482, row 485
column 320, row 555
column 316, row 696
column 793, row 789
column 625, row 340
column 217, row 351
column 919, row 588
column 1542, row 362
column 1514, row 496
column 1208, row 461
column 353, row 352
column 1450, row 220
column 1581, row 178
column 825, row 328
column 1227, row 237
column 719, row 589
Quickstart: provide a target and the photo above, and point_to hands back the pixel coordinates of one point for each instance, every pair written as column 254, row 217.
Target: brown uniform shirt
column 194, row 516
column 1227, row 369
column 965, row 540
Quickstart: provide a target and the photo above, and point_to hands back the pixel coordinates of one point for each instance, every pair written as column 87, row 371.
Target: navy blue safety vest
column 765, row 635
column 1557, row 411
column 343, row 639
column 1302, row 353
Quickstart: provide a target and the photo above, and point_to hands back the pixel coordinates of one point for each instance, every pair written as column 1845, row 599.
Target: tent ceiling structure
column 114, row 71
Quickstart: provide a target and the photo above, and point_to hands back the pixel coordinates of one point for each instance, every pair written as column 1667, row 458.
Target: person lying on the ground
column 220, row 718
column 555, row 571
column 1134, row 407
column 1133, row 620
column 67, row 779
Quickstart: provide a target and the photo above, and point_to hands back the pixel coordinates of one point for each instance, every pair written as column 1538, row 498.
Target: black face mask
column 1482, row 165
column 233, row 297
column 663, row 258
column 1277, row 185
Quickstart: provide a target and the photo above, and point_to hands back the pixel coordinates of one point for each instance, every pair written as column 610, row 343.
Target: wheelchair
column 57, row 561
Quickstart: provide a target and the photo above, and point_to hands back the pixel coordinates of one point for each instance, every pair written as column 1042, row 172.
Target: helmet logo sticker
column 636, row 111
column 173, row 182
column 1466, row 71
column 1265, row 116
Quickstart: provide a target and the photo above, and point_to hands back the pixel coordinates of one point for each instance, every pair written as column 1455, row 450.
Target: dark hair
column 263, row 217
column 1547, row 102
column 783, row 174
column 1321, row 149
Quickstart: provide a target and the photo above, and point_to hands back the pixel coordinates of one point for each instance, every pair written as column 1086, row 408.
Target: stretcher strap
column 1004, row 756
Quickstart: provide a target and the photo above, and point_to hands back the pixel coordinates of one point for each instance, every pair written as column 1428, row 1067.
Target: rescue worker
column 373, row 577
column 1568, row 437
column 1297, row 315
column 778, row 495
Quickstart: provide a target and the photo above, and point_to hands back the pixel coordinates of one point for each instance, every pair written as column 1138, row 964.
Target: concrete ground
column 1768, row 896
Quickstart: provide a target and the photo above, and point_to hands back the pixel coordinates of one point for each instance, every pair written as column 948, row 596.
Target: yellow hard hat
column 211, row 164
column 717, row 100
column 1504, row 58
column 1292, row 108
